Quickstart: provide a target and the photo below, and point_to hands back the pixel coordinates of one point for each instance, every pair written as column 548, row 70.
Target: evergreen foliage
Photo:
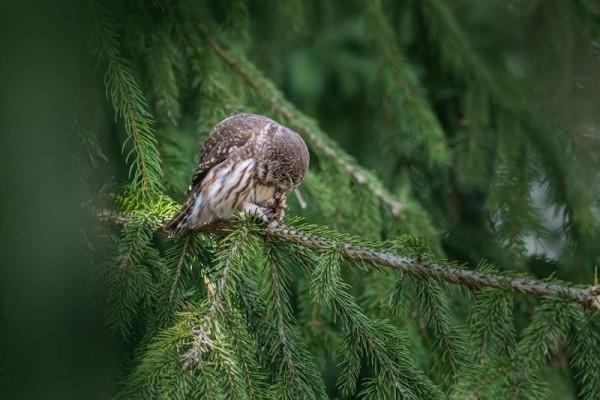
column 363, row 303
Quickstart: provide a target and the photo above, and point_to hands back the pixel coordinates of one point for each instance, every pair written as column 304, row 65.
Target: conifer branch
column 457, row 50
column 303, row 125
column 179, row 268
column 279, row 304
column 588, row 297
column 127, row 100
column 412, row 106
column 219, row 292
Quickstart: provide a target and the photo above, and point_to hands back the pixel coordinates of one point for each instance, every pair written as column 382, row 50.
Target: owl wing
column 215, row 193
column 227, row 138
column 230, row 142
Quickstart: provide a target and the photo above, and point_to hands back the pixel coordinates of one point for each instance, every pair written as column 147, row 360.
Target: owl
column 248, row 163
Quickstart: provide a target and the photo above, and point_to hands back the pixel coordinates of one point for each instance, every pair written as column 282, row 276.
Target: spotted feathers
column 247, row 163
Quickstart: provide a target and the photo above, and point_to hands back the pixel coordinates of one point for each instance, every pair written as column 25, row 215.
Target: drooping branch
column 588, row 297
column 127, row 99
column 403, row 88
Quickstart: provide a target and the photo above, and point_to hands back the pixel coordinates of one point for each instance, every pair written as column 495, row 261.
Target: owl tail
column 193, row 215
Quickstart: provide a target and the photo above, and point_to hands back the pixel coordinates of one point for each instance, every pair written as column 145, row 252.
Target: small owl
column 247, row 164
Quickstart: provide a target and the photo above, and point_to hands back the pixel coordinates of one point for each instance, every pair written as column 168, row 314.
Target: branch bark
column 588, row 297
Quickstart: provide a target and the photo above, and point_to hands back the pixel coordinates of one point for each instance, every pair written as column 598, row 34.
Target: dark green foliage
column 423, row 146
column 415, row 118
column 127, row 100
column 296, row 375
column 129, row 276
column 491, row 326
column 585, row 353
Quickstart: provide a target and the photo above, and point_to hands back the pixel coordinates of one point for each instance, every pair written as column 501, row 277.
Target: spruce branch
column 460, row 56
column 279, row 301
column 585, row 347
column 180, row 263
column 164, row 65
column 491, row 326
column 208, row 340
column 589, row 297
column 310, row 237
column 218, row 293
column 296, row 374
column 303, row 125
column 365, row 336
column 432, row 306
column 127, row 100
column 412, row 108
column 456, row 49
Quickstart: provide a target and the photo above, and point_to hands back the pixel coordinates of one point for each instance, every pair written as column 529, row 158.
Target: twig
column 588, row 297
column 293, row 116
column 300, row 199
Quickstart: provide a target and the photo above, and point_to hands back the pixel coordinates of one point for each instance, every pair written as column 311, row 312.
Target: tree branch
column 588, row 297
column 127, row 100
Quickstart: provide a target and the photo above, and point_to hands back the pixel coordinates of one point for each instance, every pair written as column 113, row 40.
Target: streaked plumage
column 247, row 164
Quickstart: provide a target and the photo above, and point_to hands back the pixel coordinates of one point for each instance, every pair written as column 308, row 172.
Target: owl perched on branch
column 247, row 165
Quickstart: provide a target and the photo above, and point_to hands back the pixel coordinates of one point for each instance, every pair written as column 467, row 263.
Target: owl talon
column 276, row 207
column 257, row 211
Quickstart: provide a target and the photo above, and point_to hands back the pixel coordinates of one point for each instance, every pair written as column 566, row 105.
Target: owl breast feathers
column 247, row 164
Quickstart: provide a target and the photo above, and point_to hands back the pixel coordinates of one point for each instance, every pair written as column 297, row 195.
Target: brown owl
column 247, row 165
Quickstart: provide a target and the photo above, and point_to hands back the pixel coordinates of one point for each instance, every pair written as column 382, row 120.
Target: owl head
column 282, row 157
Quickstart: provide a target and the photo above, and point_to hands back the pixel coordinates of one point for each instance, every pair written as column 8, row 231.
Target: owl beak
column 284, row 186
